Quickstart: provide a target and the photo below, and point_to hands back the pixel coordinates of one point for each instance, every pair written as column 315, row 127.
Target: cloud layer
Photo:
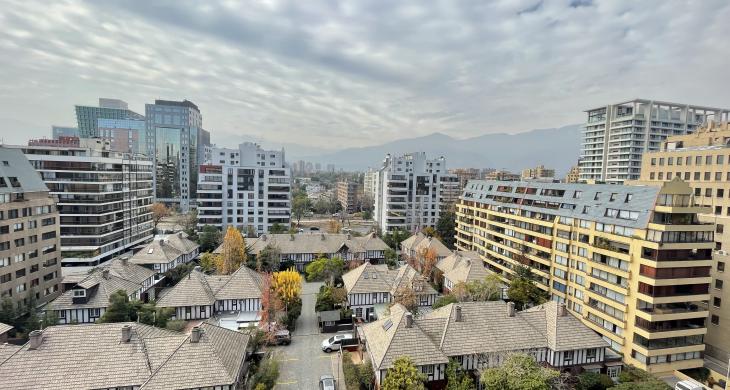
column 337, row 74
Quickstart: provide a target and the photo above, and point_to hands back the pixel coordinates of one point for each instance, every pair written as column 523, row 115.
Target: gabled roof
column 102, row 282
column 199, row 289
column 407, row 277
column 157, row 251
column 93, row 356
column 450, row 262
column 565, row 332
column 4, row 328
column 181, row 242
column 213, row 361
column 315, row 243
column 390, row 337
column 419, row 242
column 367, row 278
column 467, row 269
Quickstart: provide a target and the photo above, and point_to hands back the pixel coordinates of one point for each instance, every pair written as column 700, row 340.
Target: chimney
column 510, row 309
column 561, row 310
column 105, row 274
column 162, row 241
column 322, row 236
column 458, row 318
column 179, row 234
column 409, row 320
column 198, row 268
column 291, row 237
column 36, row 338
column 349, row 237
column 125, row 260
column 126, row 333
column 195, row 334
column 263, row 237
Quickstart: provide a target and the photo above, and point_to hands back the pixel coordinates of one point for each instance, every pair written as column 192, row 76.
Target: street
column 303, row 362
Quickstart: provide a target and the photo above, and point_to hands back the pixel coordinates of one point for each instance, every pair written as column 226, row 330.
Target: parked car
column 314, row 229
column 326, row 382
column 281, row 337
column 688, row 385
column 338, row 341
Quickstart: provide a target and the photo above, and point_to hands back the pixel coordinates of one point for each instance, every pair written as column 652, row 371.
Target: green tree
column 403, row 376
column 489, row 289
column 209, row 238
column 174, row 275
column 300, row 205
column 209, row 262
column 50, row 318
column 456, row 378
column 119, row 308
column 394, row 238
column 391, row 258
column 523, row 291
column 268, row 259
column 330, row 298
column 367, row 215
column 7, row 311
column 445, row 300
column 446, row 228
column 267, row 373
column 277, row 228
column 519, row 372
column 324, row 268
column 594, row 381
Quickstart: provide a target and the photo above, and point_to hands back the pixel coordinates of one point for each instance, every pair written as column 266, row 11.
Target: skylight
column 387, row 324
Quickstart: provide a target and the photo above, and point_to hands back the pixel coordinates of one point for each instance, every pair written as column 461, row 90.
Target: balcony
column 676, row 254
column 670, row 326
column 673, row 308
column 612, row 246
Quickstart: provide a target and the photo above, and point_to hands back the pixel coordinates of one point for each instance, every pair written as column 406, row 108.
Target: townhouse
column 127, row 356
column 415, row 246
column 461, row 267
column 200, row 296
column 167, row 252
column 473, row 334
column 372, row 286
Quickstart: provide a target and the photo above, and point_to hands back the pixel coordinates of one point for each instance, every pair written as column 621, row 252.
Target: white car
column 326, row 382
column 335, row 342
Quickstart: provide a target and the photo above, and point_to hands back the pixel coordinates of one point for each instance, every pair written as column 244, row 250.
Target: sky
column 335, row 74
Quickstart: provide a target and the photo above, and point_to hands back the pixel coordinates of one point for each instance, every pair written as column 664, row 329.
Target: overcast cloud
column 337, row 74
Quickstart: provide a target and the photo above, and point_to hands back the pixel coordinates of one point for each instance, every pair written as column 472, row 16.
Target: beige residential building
column 30, row 251
column 347, row 195
column 573, row 175
column 702, row 159
column 538, row 173
column 632, row 262
column 465, row 174
column 502, row 175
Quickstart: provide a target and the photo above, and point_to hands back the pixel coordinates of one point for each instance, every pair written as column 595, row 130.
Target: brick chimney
column 457, row 310
column 510, row 309
column 195, row 334
column 126, row 333
column 562, row 311
column 409, row 320
column 36, row 338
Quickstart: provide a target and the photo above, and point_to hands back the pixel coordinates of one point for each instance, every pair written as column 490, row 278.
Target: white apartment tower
column 615, row 136
column 409, row 192
column 248, row 188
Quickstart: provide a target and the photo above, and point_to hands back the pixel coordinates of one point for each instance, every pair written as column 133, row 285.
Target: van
column 338, row 341
column 688, row 385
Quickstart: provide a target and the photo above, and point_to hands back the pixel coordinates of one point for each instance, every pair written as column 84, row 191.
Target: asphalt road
column 303, row 362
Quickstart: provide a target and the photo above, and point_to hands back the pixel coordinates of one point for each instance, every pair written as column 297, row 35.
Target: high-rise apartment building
column 466, row 174
column 615, row 136
column 347, row 195
column 177, row 141
column 409, row 192
column 104, row 197
column 632, row 262
column 248, row 188
column 538, row 173
column 30, row 256
column 702, row 159
column 64, row 131
column 87, row 117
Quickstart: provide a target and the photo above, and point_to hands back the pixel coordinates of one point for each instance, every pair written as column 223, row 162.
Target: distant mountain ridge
column 556, row 148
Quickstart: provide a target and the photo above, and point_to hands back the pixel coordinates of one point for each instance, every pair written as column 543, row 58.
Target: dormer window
column 79, row 293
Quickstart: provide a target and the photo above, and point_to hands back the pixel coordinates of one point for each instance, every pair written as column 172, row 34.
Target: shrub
column 594, row 381
column 267, row 373
column 176, row 325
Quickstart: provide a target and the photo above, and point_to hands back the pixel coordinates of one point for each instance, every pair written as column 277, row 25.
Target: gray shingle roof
column 407, row 277
column 367, row 278
column 198, row 289
column 463, row 267
column 157, row 251
column 4, row 328
column 315, row 243
column 482, row 330
column 92, row 356
column 7, row 350
column 419, row 241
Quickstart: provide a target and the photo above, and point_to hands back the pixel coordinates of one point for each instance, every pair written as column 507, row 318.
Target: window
column 79, row 293
column 628, row 198
column 613, row 197
column 720, row 159
column 598, row 194
column 708, row 160
column 715, row 319
column 718, row 284
column 591, row 353
column 721, row 266
column 720, row 192
column 696, row 176
column 707, row 176
column 568, row 357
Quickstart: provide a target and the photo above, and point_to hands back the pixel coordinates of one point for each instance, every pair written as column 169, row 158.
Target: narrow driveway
column 303, row 362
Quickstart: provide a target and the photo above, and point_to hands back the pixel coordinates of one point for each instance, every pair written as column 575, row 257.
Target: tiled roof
column 7, row 350
column 4, row 328
column 481, row 330
column 93, row 356
column 467, row 269
column 181, row 241
column 102, row 282
column 213, row 361
column 315, row 243
column 419, row 241
column 389, row 338
column 407, row 277
column 199, row 289
column 367, row 278
column 157, row 251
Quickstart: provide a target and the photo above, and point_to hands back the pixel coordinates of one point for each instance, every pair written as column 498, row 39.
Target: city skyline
column 275, row 72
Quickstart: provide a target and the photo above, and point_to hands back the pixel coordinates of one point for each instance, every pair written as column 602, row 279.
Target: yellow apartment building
column 702, row 160
column 633, row 262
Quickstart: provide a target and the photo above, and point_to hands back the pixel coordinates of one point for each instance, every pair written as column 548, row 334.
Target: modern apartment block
column 87, row 117
column 409, row 192
column 616, row 135
column 246, row 188
column 124, row 135
column 466, row 174
column 177, row 141
column 702, row 159
column 30, row 257
column 348, row 195
column 538, row 173
column 104, row 197
column 573, row 175
column 632, row 262
column 502, row 175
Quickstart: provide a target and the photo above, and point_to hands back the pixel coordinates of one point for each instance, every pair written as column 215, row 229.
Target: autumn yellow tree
column 333, row 226
column 233, row 252
column 159, row 211
column 427, row 259
column 287, row 285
